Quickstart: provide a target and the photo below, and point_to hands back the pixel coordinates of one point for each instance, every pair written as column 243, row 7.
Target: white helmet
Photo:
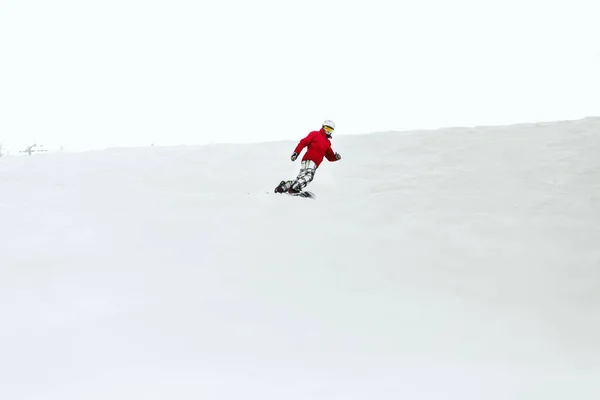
column 329, row 126
column 329, row 123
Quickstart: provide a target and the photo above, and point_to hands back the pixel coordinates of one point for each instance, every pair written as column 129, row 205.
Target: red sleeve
column 304, row 142
column 330, row 154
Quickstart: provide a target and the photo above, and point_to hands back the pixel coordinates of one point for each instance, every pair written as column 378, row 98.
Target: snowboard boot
column 281, row 188
column 294, row 189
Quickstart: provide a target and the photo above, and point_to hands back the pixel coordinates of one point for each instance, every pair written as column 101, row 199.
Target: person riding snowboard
column 318, row 147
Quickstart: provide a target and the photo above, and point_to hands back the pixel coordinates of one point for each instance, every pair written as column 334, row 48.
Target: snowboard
column 304, row 193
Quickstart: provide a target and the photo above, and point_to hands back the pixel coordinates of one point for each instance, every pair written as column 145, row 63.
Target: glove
column 338, row 156
column 294, row 156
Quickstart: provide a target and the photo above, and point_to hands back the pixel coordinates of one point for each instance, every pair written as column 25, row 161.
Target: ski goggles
column 328, row 129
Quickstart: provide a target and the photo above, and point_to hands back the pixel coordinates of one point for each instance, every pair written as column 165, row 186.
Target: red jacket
column 319, row 147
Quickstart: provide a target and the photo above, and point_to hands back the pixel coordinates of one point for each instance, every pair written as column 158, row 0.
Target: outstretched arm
column 331, row 156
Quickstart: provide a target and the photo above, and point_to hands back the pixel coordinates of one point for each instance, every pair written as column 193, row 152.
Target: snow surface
column 452, row 264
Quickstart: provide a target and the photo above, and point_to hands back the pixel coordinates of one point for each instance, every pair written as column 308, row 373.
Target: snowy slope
column 449, row 264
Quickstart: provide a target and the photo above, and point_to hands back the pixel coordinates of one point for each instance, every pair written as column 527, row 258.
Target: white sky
column 88, row 74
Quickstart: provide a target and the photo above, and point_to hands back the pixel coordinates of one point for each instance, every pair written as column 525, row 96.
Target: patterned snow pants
column 305, row 176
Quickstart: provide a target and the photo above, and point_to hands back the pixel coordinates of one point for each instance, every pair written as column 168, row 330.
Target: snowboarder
column 318, row 147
